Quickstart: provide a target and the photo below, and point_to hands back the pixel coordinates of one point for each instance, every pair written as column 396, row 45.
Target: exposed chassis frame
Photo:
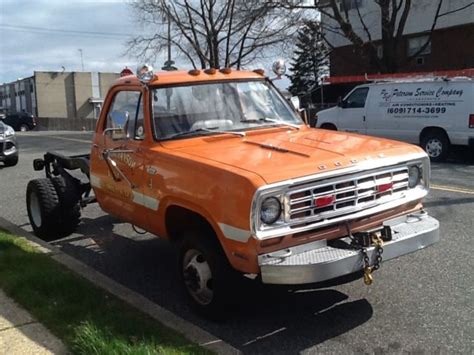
column 56, row 164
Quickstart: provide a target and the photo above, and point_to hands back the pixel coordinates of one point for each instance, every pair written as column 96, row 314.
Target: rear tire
column 436, row 144
column 42, row 204
column 50, row 215
column 24, row 128
column 206, row 275
column 329, row 126
column 69, row 197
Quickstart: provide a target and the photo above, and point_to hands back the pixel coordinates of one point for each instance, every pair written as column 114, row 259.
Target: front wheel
column 11, row 161
column 436, row 144
column 206, row 275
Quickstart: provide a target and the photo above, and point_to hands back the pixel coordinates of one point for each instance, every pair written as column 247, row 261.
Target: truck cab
column 220, row 164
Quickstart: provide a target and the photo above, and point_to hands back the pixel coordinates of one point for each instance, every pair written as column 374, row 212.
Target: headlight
column 414, row 176
column 9, row 131
column 270, row 210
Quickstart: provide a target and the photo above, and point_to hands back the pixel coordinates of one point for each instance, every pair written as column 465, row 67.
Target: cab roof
column 182, row 76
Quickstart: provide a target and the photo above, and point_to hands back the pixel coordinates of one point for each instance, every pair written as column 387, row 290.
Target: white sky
column 38, row 35
column 25, row 46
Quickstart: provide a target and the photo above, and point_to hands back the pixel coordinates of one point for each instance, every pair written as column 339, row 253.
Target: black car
column 8, row 145
column 20, row 121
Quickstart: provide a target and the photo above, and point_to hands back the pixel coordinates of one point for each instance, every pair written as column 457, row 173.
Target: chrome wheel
column 23, row 128
column 198, row 277
column 434, row 147
column 35, row 209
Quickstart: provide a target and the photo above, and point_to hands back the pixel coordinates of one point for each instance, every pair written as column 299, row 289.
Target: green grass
column 87, row 319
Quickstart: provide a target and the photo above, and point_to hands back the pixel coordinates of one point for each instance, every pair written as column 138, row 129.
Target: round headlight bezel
column 276, row 203
column 414, row 171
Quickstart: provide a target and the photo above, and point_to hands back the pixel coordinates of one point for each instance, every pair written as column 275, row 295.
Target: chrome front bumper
column 316, row 261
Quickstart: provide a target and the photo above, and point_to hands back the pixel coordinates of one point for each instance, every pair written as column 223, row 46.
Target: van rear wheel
column 436, row 144
column 329, row 126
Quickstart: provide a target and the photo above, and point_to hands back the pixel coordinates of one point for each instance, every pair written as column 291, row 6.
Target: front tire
column 206, row 275
column 11, row 161
column 436, row 144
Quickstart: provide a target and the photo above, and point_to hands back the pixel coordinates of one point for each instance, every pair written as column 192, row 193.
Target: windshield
column 232, row 106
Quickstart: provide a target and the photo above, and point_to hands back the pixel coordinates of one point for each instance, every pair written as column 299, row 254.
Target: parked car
column 434, row 113
column 218, row 163
column 8, row 145
column 21, row 121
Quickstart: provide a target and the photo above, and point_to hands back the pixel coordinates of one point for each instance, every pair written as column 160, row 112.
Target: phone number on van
column 416, row 110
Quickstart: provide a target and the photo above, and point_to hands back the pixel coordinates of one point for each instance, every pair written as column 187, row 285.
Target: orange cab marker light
column 194, row 72
column 210, row 71
column 226, row 70
column 384, row 187
column 324, row 201
column 259, row 72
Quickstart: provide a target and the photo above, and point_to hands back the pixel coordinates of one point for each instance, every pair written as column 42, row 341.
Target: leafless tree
column 212, row 33
column 393, row 19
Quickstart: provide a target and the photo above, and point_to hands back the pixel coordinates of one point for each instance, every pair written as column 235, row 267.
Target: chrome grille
column 321, row 200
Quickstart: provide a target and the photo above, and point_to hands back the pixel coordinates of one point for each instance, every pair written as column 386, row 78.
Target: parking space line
column 452, row 189
column 71, row 139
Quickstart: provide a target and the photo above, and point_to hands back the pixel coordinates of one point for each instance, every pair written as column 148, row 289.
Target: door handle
column 364, row 117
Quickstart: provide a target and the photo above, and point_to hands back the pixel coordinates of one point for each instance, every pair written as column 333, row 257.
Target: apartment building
column 451, row 46
column 57, row 95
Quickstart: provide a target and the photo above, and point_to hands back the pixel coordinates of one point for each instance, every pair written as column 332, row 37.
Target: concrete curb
column 167, row 318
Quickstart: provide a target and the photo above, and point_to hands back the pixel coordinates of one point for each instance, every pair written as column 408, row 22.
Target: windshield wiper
column 209, row 129
column 268, row 119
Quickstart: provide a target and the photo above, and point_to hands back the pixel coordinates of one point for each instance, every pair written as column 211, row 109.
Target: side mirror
column 119, row 121
column 295, row 102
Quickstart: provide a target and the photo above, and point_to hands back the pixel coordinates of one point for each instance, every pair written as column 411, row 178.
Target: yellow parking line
column 71, row 139
column 452, row 189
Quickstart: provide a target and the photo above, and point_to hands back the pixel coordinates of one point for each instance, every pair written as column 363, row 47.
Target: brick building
column 451, row 46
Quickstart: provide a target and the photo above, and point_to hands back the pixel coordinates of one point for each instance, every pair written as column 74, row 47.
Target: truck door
column 119, row 164
column 353, row 110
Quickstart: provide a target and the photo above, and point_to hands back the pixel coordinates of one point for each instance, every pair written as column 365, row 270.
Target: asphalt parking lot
column 420, row 303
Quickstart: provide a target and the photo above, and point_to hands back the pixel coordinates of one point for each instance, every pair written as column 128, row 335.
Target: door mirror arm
column 113, row 167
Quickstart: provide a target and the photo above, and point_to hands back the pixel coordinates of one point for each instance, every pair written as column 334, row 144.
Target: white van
column 434, row 113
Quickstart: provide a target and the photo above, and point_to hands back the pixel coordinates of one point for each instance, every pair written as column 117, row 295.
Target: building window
column 350, row 4
column 416, row 43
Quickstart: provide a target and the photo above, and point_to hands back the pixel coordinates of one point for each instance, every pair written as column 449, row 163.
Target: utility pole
column 82, row 59
column 168, row 65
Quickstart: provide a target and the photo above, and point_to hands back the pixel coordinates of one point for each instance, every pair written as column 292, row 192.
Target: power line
column 45, row 30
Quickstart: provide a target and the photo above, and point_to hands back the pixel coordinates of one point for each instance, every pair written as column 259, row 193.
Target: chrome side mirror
column 119, row 121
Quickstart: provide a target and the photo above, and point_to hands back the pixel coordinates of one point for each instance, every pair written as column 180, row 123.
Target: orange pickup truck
column 219, row 163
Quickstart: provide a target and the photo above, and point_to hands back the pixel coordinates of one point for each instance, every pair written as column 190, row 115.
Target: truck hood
column 284, row 154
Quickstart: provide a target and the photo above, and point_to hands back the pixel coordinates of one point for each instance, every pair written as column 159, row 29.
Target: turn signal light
column 471, row 120
column 324, row 201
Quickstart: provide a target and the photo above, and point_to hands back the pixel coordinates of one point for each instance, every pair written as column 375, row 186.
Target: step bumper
column 316, row 261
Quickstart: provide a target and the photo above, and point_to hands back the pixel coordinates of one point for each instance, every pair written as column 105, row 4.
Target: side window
column 126, row 112
column 357, row 98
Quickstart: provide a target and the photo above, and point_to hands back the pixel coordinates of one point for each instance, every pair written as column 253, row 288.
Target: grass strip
column 87, row 319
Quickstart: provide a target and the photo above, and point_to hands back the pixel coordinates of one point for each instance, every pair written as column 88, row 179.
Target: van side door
column 353, row 111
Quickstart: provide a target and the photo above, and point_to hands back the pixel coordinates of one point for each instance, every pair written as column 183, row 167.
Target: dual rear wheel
column 53, row 207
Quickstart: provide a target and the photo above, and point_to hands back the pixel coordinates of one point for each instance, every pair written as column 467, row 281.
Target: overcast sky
column 38, row 35
column 47, row 35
